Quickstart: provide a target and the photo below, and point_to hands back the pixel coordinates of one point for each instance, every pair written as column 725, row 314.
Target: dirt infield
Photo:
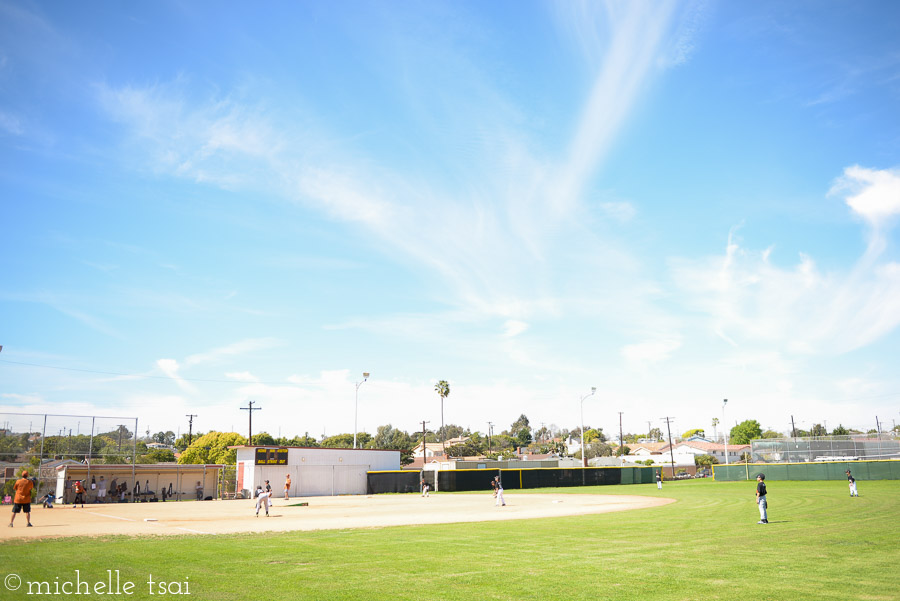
column 322, row 513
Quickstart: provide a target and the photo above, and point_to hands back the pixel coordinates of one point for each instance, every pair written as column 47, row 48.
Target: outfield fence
column 823, row 470
column 514, row 478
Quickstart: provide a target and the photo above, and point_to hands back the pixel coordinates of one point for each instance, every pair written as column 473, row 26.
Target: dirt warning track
column 322, row 513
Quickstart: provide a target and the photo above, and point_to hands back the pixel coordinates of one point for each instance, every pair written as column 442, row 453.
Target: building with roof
column 143, row 481
column 314, row 471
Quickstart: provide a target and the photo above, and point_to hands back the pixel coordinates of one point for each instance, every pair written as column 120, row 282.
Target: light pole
column 583, row 448
column 356, row 405
column 725, row 430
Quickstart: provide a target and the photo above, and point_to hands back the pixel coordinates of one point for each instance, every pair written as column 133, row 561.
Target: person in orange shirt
column 78, row 487
column 22, row 501
column 287, row 487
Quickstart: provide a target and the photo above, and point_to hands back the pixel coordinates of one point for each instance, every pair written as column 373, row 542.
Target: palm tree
column 443, row 389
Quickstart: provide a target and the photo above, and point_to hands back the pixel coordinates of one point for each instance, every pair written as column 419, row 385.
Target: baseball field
column 692, row 540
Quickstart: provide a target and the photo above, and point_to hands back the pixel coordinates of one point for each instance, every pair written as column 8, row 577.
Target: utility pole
column 250, row 411
column 490, row 432
column 725, row 430
column 649, row 428
column 793, row 428
column 423, row 442
column 621, row 440
column 671, row 450
column 190, row 417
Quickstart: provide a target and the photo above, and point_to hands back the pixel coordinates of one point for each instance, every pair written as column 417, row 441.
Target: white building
column 314, row 471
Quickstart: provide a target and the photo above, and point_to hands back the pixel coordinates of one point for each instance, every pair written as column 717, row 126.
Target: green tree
column 158, row 456
column 745, row 431
column 594, row 435
column 466, row 449
column 840, row 431
column 771, row 434
column 443, row 390
column 213, row 448
column 520, row 423
column 705, row 460
column 818, row 430
column 623, row 450
column 523, row 437
column 263, row 439
column 181, row 443
column 595, row 449
column 452, row 431
column 697, row 431
column 304, row 441
column 167, row 438
column 503, row 441
column 388, row 437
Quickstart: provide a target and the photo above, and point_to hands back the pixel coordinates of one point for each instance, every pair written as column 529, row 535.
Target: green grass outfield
column 820, row 544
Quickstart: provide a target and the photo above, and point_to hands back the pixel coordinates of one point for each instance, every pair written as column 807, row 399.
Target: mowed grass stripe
column 820, row 545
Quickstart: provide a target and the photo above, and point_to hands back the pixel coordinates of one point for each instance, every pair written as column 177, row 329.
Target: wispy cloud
column 170, row 367
column 490, row 242
column 230, row 351
column 802, row 309
column 629, row 38
column 651, row 351
column 11, row 124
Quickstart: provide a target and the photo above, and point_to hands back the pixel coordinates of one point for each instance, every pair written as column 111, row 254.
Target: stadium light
column 356, row 405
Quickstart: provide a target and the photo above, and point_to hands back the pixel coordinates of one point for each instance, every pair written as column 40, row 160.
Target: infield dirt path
column 322, row 513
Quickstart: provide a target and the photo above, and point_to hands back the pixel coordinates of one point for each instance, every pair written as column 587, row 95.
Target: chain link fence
column 824, row 448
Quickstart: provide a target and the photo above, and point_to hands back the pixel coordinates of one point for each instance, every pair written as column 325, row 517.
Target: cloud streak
column 802, row 309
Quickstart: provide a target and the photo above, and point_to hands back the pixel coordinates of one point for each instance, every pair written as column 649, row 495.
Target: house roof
column 707, row 446
column 653, row 447
column 447, row 443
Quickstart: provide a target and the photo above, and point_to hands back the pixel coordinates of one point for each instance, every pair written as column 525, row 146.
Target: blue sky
column 209, row 203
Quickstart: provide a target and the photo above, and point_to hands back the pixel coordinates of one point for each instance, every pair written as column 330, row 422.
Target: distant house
column 159, row 445
column 717, row 450
column 434, row 449
column 646, row 449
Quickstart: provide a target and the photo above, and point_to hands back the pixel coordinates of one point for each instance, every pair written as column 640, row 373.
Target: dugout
column 820, row 470
column 144, row 481
column 314, row 471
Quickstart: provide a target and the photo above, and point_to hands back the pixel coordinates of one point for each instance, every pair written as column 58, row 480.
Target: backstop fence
column 43, row 441
column 820, row 470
